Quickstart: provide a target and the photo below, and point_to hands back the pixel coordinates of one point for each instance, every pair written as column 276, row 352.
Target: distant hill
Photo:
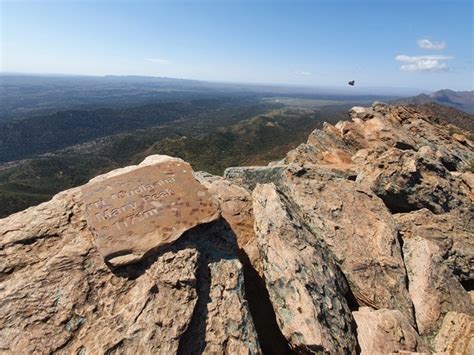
column 462, row 100
column 65, row 128
column 445, row 115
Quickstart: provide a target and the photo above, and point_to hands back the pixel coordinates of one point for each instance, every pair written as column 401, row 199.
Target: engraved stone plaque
column 145, row 208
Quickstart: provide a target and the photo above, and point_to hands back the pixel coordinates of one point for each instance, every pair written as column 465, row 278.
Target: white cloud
column 304, row 73
column 158, row 60
column 427, row 44
column 431, row 63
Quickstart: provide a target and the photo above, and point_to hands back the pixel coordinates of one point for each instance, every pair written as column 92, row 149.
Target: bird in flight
column 351, row 83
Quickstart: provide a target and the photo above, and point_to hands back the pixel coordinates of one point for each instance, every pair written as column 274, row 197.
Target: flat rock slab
column 140, row 210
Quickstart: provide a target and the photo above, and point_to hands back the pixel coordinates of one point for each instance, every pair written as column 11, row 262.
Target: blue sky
column 401, row 43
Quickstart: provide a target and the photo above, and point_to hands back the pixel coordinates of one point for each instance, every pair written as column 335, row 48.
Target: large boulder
column 438, row 252
column 305, row 286
column 236, row 208
column 327, row 139
column 371, row 128
column 468, row 180
column 58, row 294
column 425, row 130
column 156, row 201
column 358, row 230
column 334, row 158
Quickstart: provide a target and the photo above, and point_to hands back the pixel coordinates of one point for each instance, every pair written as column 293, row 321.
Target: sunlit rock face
column 306, row 287
column 132, row 213
column 455, row 335
column 162, row 282
column 358, row 241
column 385, row 331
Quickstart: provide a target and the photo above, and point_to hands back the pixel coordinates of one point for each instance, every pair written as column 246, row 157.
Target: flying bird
column 351, row 83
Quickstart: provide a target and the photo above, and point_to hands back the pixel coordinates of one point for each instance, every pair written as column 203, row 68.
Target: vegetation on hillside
column 65, row 128
column 211, row 141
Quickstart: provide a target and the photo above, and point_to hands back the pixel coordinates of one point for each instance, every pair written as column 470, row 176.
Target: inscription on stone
column 140, row 210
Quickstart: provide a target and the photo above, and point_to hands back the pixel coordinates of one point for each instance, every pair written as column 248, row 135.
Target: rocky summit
column 360, row 240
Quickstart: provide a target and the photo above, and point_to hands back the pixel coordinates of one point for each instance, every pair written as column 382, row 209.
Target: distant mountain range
column 462, row 100
column 24, row 95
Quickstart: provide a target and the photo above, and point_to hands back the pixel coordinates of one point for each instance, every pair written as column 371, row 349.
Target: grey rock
column 250, row 176
column 407, row 180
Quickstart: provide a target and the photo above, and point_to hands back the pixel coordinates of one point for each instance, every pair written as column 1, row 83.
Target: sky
column 425, row 44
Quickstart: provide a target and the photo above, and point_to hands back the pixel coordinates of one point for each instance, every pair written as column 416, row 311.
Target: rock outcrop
column 410, row 180
column 385, row 331
column 359, row 241
column 456, row 334
column 157, row 200
column 358, row 230
column 439, row 253
column 306, row 288
column 59, row 292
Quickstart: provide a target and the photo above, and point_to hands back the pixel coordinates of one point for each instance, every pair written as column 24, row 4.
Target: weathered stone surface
column 468, row 180
column 453, row 232
column 327, row 139
column 307, row 154
column 142, row 209
column 250, row 176
column 233, row 333
column 148, row 161
column 67, row 299
column 426, row 132
column 438, row 252
column 221, row 322
column 306, row 288
column 371, row 127
column 236, row 208
column 385, row 331
column 304, row 154
column 432, row 288
column 381, row 127
column 408, row 180
column 40, row 226
column 58, row 295
column 324, row 147
column 359, row 231
column 456, row 336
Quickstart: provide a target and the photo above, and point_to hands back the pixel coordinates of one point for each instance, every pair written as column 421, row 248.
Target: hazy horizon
column 336, row 89
column 417, row 45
